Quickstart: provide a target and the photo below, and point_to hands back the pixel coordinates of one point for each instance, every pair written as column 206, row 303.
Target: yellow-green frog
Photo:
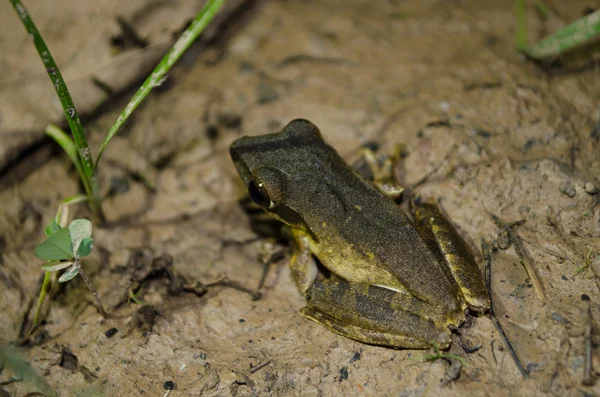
column 392, row 282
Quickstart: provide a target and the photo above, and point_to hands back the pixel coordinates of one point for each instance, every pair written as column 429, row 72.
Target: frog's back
column 367, row 228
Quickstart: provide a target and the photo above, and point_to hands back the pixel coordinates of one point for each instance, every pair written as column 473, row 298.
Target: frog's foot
column 374, row 315
column 379, row 169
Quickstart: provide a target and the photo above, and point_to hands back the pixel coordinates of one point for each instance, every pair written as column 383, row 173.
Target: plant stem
column 521, row 34
column 43, row 291
column 88, row 284
column 96, row 201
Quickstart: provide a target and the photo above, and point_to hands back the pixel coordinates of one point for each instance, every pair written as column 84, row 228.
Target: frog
column 389, row 280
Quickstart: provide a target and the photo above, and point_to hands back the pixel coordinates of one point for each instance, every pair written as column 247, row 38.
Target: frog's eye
column 259, row 194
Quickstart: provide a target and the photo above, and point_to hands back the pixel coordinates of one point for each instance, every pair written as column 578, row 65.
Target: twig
column 485, row 248
column 546, row 250
column 200, row 289
column 588, row 377
column 524, row 255
column 435, row 169
column 275, row 256
column 88, row 284
column 261, row 365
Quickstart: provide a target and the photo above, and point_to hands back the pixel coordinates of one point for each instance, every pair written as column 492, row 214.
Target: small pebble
column 111, row 332
column 169, row 385
column 266, row 92
column 589, row 188
column 229, row 120
column 343, row 373
column 567, row 188
column 559, row 318
column 503, row 241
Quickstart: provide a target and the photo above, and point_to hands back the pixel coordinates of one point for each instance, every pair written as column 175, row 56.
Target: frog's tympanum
column 392, row 282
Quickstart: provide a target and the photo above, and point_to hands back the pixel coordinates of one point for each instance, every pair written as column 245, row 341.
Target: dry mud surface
column 485, row 132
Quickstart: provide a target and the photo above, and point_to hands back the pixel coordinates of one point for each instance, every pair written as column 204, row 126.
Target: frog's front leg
column 302, row 265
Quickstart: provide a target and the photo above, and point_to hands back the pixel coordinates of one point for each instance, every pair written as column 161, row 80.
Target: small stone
column 119, row 185
column 343, row 374
column 595, row 133
column 589, row 188
column 169, row 385
column 111, row 332
column 503, row 241
column 567, row 188
column 266, row 92
column 229, row 120
column 559, row 318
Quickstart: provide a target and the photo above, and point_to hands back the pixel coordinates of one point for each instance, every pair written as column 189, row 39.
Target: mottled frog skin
column 393, row 282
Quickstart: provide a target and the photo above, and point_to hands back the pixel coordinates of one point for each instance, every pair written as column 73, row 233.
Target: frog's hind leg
column 443, row 238
column 373, row 314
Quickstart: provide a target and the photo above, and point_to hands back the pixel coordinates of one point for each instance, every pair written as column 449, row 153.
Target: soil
column 485, row 130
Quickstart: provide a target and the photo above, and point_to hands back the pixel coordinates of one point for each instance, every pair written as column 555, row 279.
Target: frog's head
column 278, row 168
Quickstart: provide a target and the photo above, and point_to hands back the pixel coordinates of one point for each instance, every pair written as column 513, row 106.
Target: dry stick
column 225, row 282
column 524, row 255
column 485, row 248
column 200, row 289
column 88, row 284
column 588, row 377
column 261, row 365
column 275, row 257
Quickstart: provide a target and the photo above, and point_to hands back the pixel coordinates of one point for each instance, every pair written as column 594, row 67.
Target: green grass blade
column 568, row 37
column 46, row 284
column 187, row 38
column 521, row 34
column 62, row 214
column 67, row 144
column 60, row 87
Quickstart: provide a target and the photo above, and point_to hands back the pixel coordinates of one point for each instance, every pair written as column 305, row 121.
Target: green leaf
column 566, row 38
column 69, row 274
column 85, row 247
column 54, row 266
column 79, row 230
column 57, row 246
column 51, row 228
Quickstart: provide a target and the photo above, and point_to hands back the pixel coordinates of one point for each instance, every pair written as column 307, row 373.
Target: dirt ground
column 485, row 131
